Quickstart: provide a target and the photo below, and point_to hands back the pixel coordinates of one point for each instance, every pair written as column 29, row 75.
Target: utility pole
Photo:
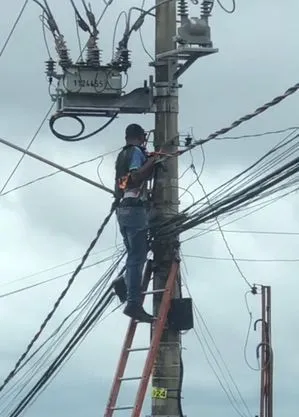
column 266, row 356
column 176, row 50
column 166, row 374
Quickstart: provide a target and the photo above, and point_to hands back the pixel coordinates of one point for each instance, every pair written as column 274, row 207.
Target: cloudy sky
column 53, row 221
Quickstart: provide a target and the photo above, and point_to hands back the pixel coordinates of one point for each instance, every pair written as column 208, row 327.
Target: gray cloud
column 53, row 221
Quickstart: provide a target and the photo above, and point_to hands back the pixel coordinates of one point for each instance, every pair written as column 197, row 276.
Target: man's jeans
column 133, row 224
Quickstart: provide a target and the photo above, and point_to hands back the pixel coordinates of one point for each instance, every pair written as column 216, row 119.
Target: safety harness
column 123, row 180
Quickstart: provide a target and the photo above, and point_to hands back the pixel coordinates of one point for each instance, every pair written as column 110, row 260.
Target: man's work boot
column 136, row 312
column 120, row 289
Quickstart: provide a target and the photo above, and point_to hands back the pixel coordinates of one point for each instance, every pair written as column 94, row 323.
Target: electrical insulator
column 121, row 59
column 93, row 53
column 64, row 60
column 50, row 67
column 183, row 8
column 125, row 59
column 63, row 53
column 206, row 7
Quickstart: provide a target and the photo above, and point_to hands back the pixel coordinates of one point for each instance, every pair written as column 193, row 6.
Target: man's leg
column 135, row 264
column 133, row 227
column 137, row 251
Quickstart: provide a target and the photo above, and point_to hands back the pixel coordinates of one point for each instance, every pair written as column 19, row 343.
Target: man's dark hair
column 134, row 131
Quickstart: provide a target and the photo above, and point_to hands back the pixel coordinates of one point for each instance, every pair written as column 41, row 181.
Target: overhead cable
column 52, row 268
column 215, row 258
column 46, row 281
column 85, row 326
column 26, row 149
column 252, row 232
column 250, row 212
column 242, row 195
column 58, row 336
column 52, row 174
column 206, row 347
column 242, row 119
column 54, row 165
column 260, row 134
column 14, row 27
column 221, row 231
column 60, row 298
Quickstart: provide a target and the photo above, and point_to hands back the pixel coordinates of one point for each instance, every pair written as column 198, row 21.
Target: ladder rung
column 125, row 407
column 141, row 349
column 153, row 292
column 130, row 378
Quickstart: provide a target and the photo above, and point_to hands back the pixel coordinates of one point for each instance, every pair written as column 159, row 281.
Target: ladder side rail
column 157, row 335
column 125, row 350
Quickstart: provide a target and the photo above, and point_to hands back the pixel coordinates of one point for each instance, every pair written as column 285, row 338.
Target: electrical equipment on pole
column 91, row 88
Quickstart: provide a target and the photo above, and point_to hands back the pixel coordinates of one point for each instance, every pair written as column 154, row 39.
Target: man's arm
column 140, row 170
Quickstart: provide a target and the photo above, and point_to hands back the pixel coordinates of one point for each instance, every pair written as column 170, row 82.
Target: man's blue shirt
column 137, row 159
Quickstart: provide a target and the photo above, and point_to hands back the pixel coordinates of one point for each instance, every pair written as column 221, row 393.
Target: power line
column 56, row 172
column 84, row 328
column 258, row 135
column 141, row 37
column 236, row 197
column 14, row 27
column 199, row 317
column 255, row 209
column 221, row 231
column 53, row 164
column 243, row 119
column 253, row 232
column 60, row 298
column 38, row 284
column 213, row 258
column 27, row 149
column 88, row 301
column 52, row 268
column 230, row 398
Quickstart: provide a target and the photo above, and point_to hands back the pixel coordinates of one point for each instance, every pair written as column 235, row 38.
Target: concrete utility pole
column 166, row 374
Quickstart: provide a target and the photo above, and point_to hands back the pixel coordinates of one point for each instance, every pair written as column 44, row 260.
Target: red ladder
column 159, row 325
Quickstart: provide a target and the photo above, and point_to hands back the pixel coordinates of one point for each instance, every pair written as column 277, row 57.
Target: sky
column 53, row 221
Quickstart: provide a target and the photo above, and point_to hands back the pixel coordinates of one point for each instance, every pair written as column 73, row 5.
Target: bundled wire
column 94, row 305
column 59, row 300
column 80, row 333
column 77, row 137
column 248, row 187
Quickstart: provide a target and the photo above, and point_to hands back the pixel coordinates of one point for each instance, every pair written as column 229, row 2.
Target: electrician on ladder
column 133, row 169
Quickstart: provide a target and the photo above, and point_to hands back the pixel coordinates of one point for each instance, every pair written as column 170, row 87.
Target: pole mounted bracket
column 166, row 89
column 193, row 41
column 185, row 56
